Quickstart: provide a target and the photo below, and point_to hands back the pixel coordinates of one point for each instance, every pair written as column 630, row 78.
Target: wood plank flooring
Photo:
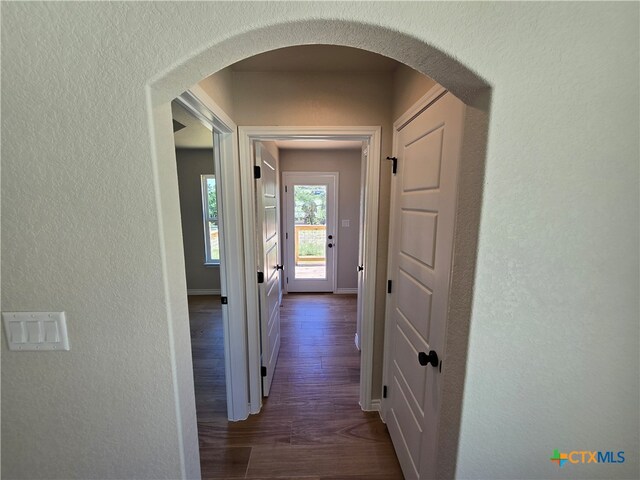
column 311, row 426
column 207, row 349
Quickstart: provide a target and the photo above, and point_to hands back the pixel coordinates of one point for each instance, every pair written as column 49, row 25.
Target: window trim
column 204, row 193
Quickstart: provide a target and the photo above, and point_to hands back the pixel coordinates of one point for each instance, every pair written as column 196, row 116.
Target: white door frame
column 336, row 185
column 371, row 135
column 231, row 283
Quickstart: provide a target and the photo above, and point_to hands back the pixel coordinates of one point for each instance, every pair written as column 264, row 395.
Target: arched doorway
column 455, row 77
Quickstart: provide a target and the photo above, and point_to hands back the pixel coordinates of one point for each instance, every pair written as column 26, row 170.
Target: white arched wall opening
column 462, row 82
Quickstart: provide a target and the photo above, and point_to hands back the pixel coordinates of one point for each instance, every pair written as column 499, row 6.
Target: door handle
column 430, row 359
column 330, row 237
column 330, row 245
column 360, row 268
column 279, row 267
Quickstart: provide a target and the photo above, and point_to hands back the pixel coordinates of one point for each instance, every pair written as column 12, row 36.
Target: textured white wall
column 553, row 360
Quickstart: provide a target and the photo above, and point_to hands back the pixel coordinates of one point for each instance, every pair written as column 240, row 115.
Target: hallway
column 311, row 426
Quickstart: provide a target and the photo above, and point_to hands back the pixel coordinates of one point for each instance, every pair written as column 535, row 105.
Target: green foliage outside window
column 212, row 198
column 210, row 214
column 310, row 204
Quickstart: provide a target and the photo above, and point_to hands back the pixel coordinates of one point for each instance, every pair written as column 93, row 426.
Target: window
column 210, row 220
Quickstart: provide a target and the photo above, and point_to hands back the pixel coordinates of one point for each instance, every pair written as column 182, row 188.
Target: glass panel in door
column 310, row 231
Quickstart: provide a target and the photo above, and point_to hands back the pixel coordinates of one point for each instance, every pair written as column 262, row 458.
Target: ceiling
column 194, row 134
column 302, row 58
column 316, row 58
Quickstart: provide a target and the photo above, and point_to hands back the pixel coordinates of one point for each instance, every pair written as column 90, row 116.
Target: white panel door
column 361, row 252
column 423, row 214
column 267, row 206
column 311, row 240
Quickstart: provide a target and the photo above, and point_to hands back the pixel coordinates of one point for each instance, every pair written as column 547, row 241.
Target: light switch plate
column 30, row 331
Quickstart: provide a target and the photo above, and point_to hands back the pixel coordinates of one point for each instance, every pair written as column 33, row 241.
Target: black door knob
column 279, row 267
column 330, row 237
column 360, row 268
column 431, row 358
column 330, row 245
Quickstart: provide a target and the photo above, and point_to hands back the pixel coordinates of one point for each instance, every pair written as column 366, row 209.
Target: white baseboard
column 374, row 406
column 203, row 291
column 344, row 291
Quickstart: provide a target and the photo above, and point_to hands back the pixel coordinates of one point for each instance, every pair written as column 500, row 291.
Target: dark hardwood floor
column 207, row 348
column 311, row 426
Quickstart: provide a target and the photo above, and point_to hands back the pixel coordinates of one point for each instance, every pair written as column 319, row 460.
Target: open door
column 423, row 213
column 269, row 267
column 203, row 145
column 361, row 252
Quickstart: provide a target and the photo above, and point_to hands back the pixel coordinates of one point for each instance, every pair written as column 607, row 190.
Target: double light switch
column 36, row 330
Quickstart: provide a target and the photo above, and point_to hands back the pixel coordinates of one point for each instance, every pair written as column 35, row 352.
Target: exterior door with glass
column 310, row 231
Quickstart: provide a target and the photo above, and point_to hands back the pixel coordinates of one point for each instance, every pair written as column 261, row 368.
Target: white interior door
column 361, row 252
column 311, row 240
column 423, row 213
column 268, row 218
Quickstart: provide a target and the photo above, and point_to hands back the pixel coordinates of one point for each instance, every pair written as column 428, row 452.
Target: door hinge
column 285, row 189
column 384, row 391
column 260, row 277
column 287, row 279
column 263, row 371
column 394, row 168
column 257, row 171
column 389, row 286
column 223, row 300
column 286, row 235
